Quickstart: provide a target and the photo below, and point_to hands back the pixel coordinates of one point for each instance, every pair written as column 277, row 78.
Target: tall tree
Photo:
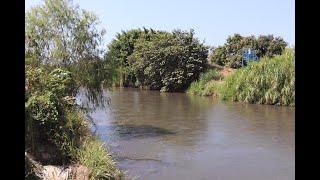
column 60, row 33
column 121, row 48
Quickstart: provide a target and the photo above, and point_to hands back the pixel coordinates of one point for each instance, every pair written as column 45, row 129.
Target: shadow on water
column 129, row 131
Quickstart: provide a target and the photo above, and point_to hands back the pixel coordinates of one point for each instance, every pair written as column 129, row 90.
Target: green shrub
column 55, row 123
column 43, row 108
column 52, row 118
column 270, row 81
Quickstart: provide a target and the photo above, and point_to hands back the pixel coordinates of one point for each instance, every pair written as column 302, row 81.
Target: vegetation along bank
column 268, row 81
column 178, row 61
column 63, row 53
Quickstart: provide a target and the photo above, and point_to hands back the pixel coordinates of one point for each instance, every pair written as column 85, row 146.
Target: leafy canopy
column 59, row 33
column 168, row 61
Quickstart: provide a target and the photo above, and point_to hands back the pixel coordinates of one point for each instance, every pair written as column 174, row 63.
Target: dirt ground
column 227, row 71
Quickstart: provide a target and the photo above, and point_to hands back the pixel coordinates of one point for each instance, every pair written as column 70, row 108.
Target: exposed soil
column 226, row 71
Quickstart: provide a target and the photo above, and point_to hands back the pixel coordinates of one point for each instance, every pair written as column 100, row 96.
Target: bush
column 52, row 118
column 55, row 123
column 270, row 81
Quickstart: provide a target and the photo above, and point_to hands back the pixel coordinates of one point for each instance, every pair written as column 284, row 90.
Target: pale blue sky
column 212, row 20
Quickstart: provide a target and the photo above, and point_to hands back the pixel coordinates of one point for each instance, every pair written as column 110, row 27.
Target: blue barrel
column 248, row 55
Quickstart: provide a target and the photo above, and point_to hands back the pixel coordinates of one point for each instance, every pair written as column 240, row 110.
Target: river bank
column 58, row 132
column 269, row 81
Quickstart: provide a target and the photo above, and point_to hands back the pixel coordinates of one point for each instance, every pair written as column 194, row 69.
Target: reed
column 269, row 81
column 206, row 84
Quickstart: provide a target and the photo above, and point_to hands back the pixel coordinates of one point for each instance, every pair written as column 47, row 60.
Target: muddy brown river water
column 177, row 136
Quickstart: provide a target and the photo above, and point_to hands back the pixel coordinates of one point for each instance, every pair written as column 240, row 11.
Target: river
column 177, row 136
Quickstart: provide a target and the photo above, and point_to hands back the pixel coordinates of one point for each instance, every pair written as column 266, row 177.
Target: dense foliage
column 168, row 61
column 120, row 49
column 51, row 115
column 230, row 54
column 55, row 124
column 270, row 81
column 62, row 54
column 59, row 34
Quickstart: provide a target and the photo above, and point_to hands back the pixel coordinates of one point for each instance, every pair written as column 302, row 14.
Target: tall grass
column 269, row 81
column 93, row 154
column 205, row 86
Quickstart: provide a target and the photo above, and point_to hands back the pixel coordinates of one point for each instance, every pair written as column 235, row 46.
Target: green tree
column 230, row 54
column 59, row 33
column 62, row 52
column 168, row 61
column 121, row 48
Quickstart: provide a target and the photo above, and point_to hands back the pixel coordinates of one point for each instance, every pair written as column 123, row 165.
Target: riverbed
column 177, row 136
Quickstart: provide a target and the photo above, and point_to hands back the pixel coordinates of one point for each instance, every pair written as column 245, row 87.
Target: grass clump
column 269, row 81
column 212, row 88
column 93, row 154
column 207, row 83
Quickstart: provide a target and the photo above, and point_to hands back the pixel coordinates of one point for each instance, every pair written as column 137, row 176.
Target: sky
column 212, row 20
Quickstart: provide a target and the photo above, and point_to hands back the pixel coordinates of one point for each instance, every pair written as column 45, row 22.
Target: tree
column 61, row 34
column 62, row 52
column 121, row 48
column 168, row 61
column 230, row 54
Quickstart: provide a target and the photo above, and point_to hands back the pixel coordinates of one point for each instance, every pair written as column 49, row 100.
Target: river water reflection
column 157, row 135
